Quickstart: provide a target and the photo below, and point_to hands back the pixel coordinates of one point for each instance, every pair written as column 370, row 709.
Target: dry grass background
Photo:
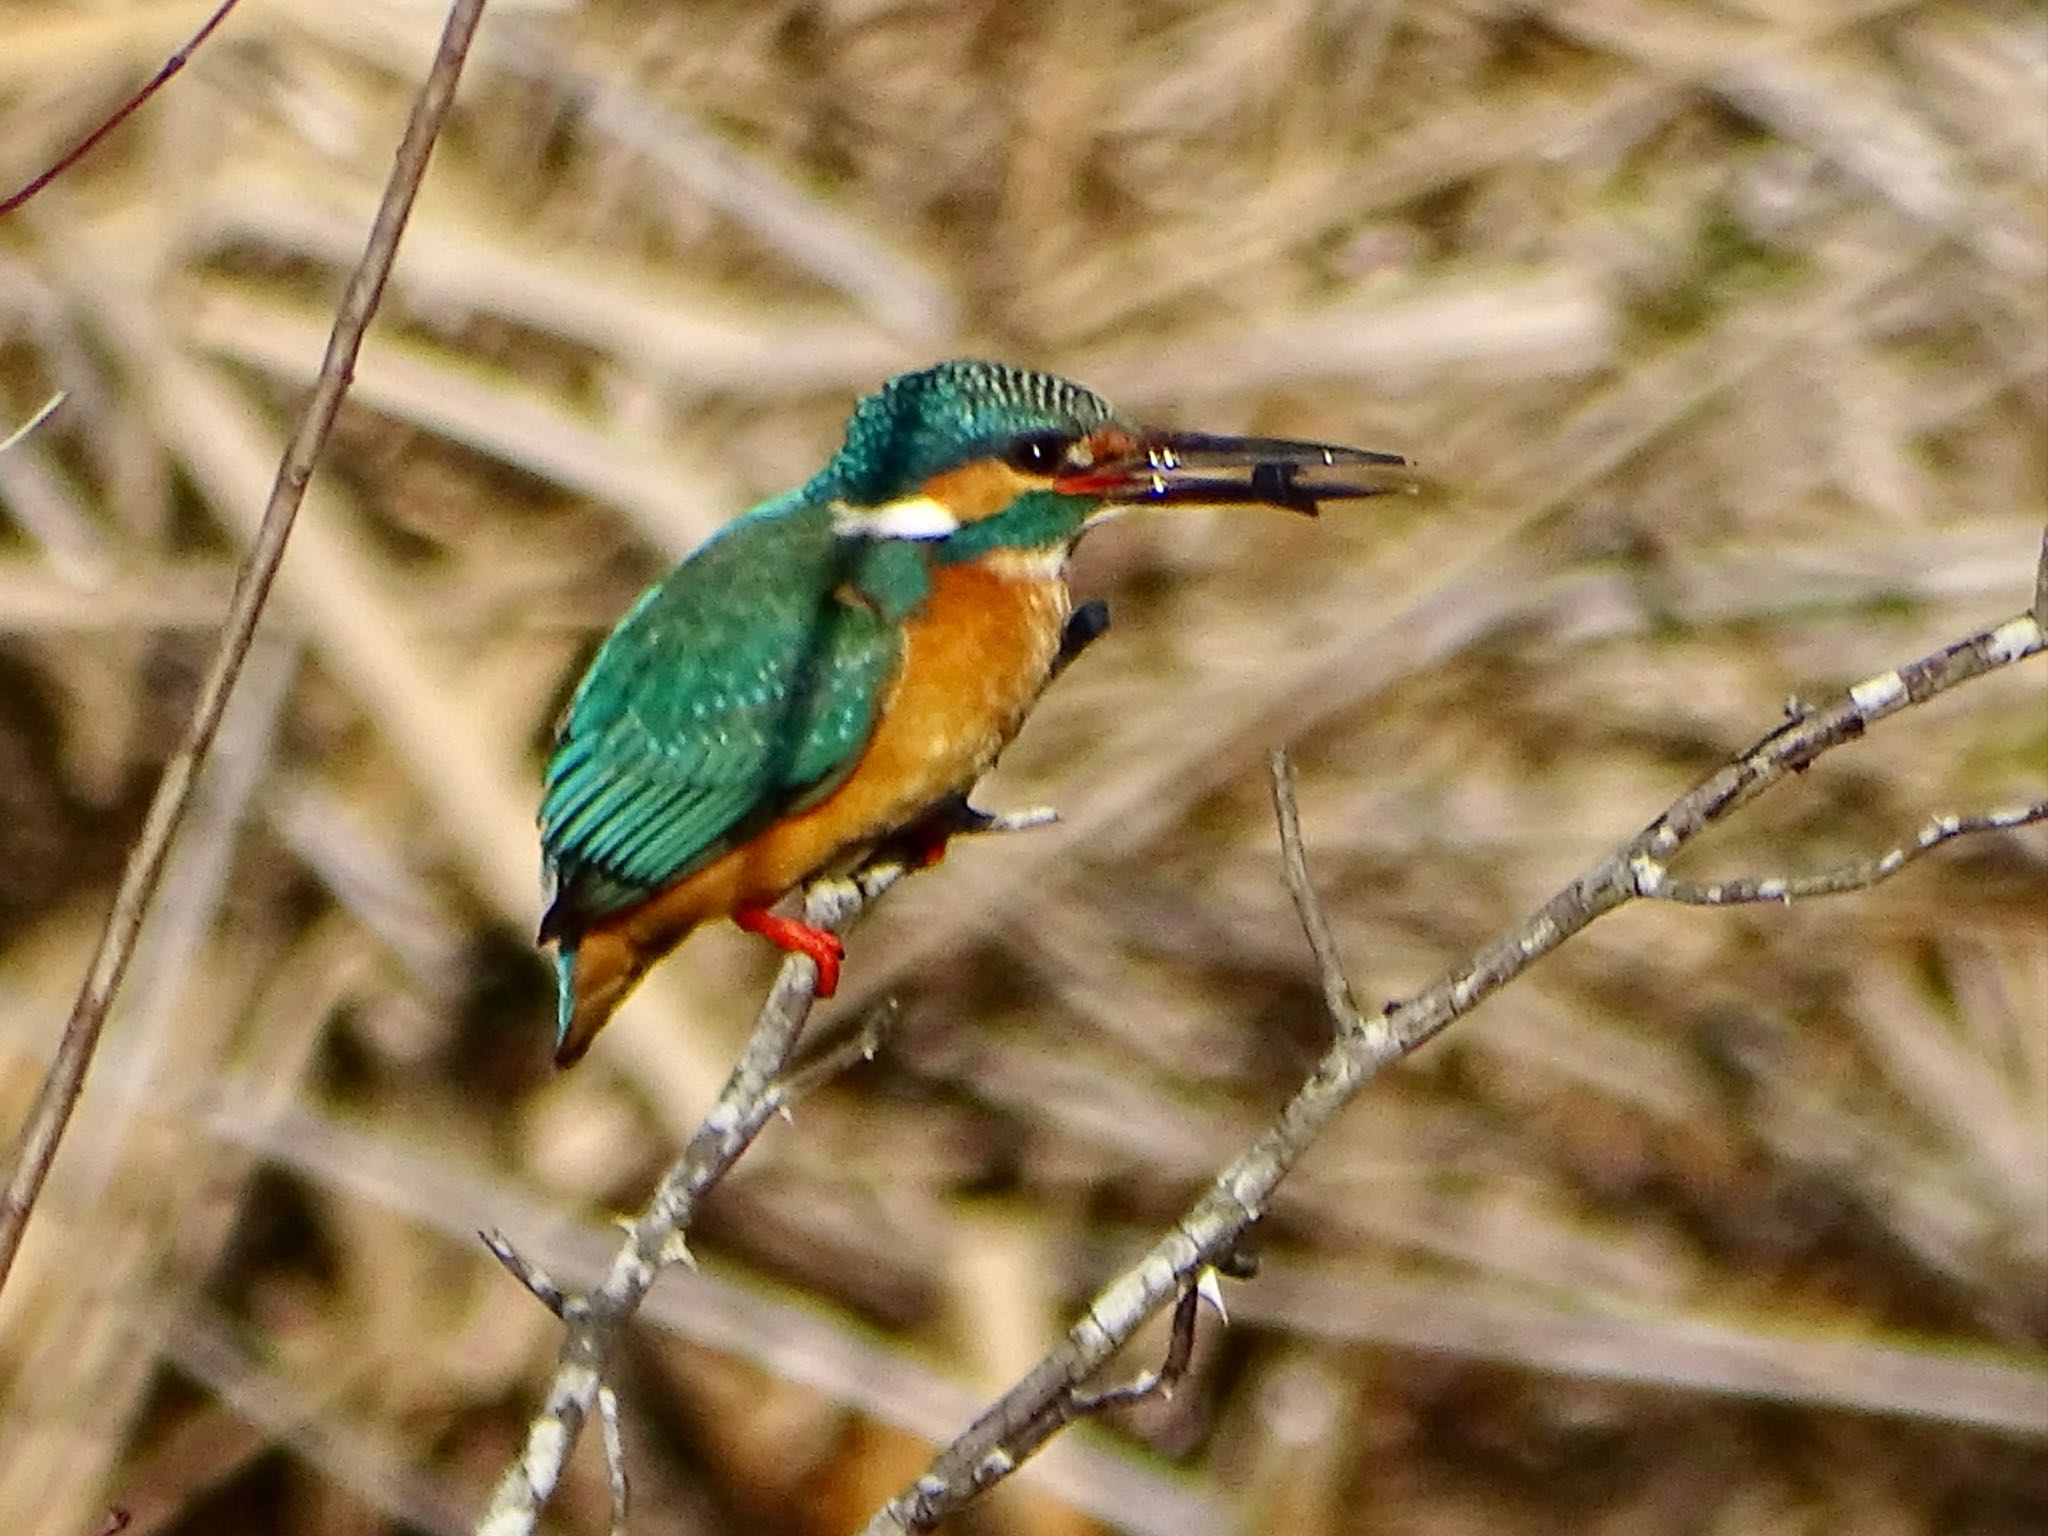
column 1723, row 333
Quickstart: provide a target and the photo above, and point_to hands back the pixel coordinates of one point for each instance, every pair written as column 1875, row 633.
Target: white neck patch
column 909, row 517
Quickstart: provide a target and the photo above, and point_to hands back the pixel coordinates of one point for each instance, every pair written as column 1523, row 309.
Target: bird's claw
column 825, row 950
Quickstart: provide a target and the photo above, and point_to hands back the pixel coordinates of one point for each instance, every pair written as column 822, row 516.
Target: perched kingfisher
column 840, row 665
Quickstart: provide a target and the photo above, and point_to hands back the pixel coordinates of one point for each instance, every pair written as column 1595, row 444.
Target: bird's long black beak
column 1201, row 469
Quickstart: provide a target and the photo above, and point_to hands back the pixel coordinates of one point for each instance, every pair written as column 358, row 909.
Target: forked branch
column 763, row 1083
column 1057, row 1390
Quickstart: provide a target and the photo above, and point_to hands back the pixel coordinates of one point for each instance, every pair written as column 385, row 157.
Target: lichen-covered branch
column 1055, row 1391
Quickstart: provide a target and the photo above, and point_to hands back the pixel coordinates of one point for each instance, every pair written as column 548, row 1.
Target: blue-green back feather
column 744, row 683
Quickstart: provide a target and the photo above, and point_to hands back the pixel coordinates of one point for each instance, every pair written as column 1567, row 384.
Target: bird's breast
column 976, row 656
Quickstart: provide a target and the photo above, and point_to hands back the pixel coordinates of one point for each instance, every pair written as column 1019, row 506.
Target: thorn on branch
column 1204, row 1286
column 864, row 1044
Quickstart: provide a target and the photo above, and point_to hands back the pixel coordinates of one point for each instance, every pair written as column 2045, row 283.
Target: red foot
column 786, row 933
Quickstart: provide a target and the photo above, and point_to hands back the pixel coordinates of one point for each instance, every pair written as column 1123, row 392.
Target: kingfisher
column 837, row 667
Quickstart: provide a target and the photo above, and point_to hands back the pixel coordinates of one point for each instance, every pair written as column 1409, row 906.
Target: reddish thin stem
column 127, row 109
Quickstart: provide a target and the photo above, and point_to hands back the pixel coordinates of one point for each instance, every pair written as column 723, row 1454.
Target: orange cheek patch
column 982, row 489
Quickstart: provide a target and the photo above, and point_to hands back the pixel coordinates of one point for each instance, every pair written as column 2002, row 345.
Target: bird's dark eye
column 1039, row 454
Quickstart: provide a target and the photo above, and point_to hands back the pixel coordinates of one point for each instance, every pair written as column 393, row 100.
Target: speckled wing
column 748, row 681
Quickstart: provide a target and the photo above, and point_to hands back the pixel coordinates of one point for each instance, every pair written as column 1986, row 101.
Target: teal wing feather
column 746, row 682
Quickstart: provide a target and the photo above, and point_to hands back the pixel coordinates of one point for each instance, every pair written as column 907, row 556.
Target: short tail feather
column 593, row 974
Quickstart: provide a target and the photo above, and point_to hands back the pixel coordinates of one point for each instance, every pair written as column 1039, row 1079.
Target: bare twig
column 1018, row 1424
column 121, row 114
column 1180, row 1353
column 1859, row 876
column 1314, row 922
column 59, row 1092
column 1074, row 1403
column 528, row 1274
column 837, row 1359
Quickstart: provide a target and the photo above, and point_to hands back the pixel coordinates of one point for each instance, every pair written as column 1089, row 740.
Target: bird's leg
column 826, row 950
column 923, row 842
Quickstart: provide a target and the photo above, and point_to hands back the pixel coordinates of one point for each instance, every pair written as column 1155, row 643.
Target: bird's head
column 982, row 458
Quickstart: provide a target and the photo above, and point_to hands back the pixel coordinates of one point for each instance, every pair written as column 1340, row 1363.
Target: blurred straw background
column 1722, row 332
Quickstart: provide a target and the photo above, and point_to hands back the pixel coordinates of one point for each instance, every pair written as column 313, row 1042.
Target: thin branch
column 48, row 409
column 1035, row 1409
column 1859, row 876
column 127, row 109
column 61, row 1086
column 1073, row 1403
column 528, row 1274
column 1314, row 922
